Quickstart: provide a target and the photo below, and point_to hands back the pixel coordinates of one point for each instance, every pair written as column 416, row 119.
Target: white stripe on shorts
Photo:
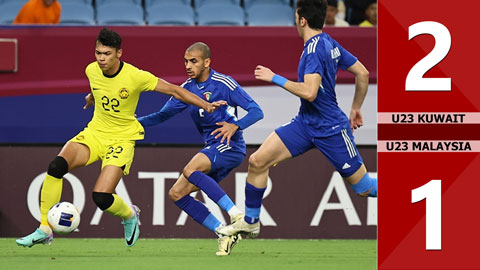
column 348, row 143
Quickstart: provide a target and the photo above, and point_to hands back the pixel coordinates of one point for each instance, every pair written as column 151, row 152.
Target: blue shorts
column 340, row 149
column 224, row 159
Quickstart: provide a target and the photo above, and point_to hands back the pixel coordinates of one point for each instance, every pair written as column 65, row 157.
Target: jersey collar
column 202, row 85
column 116, row 73
column 308, row 41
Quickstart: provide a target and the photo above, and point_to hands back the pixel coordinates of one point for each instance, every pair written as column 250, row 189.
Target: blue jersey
column 323, row 55
column 216, row 87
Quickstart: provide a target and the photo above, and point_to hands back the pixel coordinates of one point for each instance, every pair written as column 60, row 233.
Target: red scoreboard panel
column 428, row 135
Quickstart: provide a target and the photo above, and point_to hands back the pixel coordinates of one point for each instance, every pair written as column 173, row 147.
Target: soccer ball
column 63, row 217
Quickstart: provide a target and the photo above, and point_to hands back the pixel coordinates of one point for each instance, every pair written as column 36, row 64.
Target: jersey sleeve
column 147, row 81
column 313, row 64
column 172, row 107
column 346, row 58
column 238, row 97
column 89, row 69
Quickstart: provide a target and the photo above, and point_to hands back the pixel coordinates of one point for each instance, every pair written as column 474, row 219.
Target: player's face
column 108, row 58
column 196, row 65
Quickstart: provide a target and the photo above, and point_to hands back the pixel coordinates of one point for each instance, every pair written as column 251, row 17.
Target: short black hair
column 110, row 38
column 314, row 11
column 333, row 3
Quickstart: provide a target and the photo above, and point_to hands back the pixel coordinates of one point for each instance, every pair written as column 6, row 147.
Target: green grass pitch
column 197, row 254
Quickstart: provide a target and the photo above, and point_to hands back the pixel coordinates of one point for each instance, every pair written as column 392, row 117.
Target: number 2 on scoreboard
column 432, row 192
column 443, row 42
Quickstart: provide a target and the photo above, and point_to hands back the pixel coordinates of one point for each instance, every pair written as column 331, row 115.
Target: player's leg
column 72, row 155
column 180, row 194
column 342, row 152
column 287, row 141
column 270, row 152
column 220, row 160
column 116, row 163
column 362, row 183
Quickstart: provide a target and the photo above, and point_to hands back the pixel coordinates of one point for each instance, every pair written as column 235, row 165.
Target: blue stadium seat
column 120, row 14
column 9, row 10
column 218, row 14
column 270, row 15
column 200, row 3
column 151, row 3
column 170, row 14
column 88, row 2
column 18, row 1
column 250, row 3
column 77, row 13
column 99, row 3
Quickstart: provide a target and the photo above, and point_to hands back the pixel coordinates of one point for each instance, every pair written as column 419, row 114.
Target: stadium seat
column 249, row 3
column 77, row 13
column 200, row 3
column 218, row 14
column 120, row 14
column 18, row 1
column 151, row 3
column 99, row 3
column 270, row 15
column 170, row 14
column 9, row 10
column 88, row 2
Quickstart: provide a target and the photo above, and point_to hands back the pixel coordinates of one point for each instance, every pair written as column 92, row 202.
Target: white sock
column 234, row 211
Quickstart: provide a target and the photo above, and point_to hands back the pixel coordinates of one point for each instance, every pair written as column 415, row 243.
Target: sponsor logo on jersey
column 124, row 93
column 80, row 137
column 207, row 95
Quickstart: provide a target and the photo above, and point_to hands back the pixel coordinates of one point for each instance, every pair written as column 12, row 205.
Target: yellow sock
column 119, row 208
column 50, row 195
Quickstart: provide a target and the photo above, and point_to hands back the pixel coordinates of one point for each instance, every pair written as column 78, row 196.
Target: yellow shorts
column 112, row 152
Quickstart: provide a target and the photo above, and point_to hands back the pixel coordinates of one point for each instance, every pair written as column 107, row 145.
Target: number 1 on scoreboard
column 432, row 192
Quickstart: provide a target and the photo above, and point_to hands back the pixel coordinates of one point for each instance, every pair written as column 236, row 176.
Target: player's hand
column 226, row 131
column 88, row 101
column 356, row 119
column 263, row 73
column 211, row 107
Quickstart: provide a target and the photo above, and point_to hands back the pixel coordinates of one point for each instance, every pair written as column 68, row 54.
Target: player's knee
column 58, row 167
column 256, row 163
column 187, row 171
column 175, row 194
column 102, row 200
column 366, row 187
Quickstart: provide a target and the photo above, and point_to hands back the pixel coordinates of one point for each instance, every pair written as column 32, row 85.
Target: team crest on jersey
column 207, row 95
column 124, row 93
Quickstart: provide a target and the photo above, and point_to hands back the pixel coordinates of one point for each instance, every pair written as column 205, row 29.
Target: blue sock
column 212, row 189
column 199, row 212
column 365, row 184
column 253, row 202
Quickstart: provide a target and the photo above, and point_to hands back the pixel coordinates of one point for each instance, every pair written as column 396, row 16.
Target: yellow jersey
column 116, row 99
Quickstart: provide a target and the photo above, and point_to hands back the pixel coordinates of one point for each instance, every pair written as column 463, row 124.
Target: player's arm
column 168, row 110
column 89, row 101
column 361, row 88
column 227, row 130
column 186, row 96
column 307, row 90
